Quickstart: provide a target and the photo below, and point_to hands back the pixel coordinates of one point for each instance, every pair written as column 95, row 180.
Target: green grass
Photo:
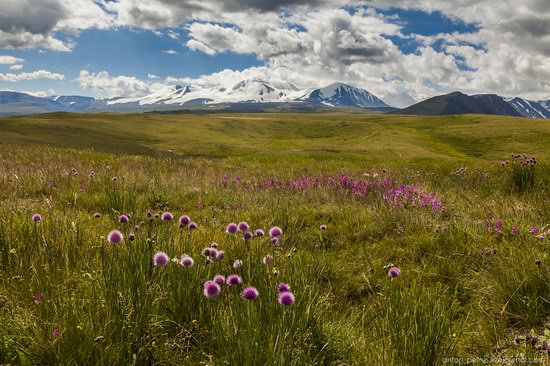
column 464, row 291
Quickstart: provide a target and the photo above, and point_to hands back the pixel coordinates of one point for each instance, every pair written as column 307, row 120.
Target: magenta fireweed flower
column 36, row 217
column 283, row 287
column 167, row 216
column 259, row 233
column 286, row 298
column 161, row 259
column 243, row 226
column 234, row 280
column 192, row 226
column 186, row 261
column 115, row 237
column 237, row 264
column 184, row 220
column 250, row 293
column 56, row 332
column 267, row 259
column 220, row 254
column 211, row 289
column 97, row 215
column 275, row 232
column 214, row 245
column 38, row 297
column 123, row 219
column 394, row 272
column 231, row 228
column 247, row 235
column 219, row 279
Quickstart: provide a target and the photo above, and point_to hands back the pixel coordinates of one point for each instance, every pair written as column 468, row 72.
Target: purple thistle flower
column 208, row 261
column 56, row 332
column 275, row 240
column 184, row 220
column 394, row 272
column 243, row 226
column 275, row 232
column 286, row 298
column 237, row 264
column 97, row 215
column 136, row 227
column 323, row 227
column 211, row 289
column 36, row 217
column 131, row 237
column 234, row 280
column 187, row 261
column 259, row 233
column 248, row 235
column 283, row 287
column 214, row 245
column 161, row 259
column 167, row 216
column 192, row 226
column 38, row 297
column 207, row 252
column 534, row 230
column 220, row 254
column 149, row 214
column 250, row 293
column 231, row 228
column 219, row 279
column 123, row 219
column 115, row 237
column 267, row 259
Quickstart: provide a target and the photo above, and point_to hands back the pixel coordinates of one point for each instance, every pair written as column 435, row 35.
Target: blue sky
column 367, row 45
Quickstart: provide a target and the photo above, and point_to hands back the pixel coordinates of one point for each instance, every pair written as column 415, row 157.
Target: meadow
column 404, row 240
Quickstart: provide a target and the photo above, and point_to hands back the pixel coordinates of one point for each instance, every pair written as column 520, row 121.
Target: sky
column 400, row 50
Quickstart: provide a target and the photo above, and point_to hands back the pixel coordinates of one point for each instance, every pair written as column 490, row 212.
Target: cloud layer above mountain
column 310, row 43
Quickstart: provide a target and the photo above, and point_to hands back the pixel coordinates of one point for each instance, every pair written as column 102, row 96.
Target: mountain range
column 260, row 95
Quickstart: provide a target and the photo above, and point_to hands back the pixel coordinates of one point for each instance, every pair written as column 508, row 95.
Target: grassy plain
column 469, row 283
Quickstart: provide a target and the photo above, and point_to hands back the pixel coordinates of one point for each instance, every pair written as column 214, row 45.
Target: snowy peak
column 528, row 108
column 340, row 94
column 545, row 104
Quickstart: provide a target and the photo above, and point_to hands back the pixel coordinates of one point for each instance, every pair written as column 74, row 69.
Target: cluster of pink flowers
column 355, row 186
column 408, row 196
column 524, row 159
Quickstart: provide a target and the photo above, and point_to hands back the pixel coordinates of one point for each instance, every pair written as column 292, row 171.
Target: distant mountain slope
column 21, row 103
column 459, row 103
column 529, row 108
column 339, row 94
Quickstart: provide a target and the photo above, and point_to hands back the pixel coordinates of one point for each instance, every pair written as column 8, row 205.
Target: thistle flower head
column 186, row 261
column 161, row 259
column 250, row 293
column 286, row 298
column 123, row 219
column 247, row 235
column 234, row 280
column 184, row 220
column 115, row 237
column 167, row 216
column 275, row 232
column 283, row 287
column 219, row 279
column 243, row 226
column 394, row 272
column 211, row 289
column 231, row 228
column 36, row 217
column 259, row 233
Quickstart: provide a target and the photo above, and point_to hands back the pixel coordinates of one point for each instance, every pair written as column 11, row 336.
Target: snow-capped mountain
column 528, row 108
column 545, row 104
column 245, row 91
column 339, row 94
